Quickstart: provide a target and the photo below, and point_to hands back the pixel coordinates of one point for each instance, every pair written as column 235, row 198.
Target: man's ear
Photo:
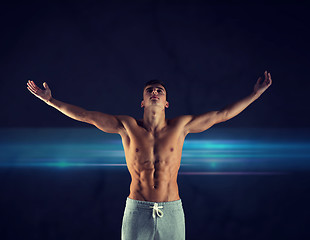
column 167, row 104
column 142, row 104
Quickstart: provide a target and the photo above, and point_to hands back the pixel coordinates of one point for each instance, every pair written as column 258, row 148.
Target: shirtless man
column 153, row 149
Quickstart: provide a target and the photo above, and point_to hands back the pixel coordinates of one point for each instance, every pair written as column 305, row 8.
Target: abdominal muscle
column 154, row 181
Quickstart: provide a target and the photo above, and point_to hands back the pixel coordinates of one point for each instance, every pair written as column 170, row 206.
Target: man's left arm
column 204, row 121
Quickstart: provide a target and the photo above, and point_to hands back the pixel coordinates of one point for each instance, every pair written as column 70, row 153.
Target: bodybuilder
column 153, row 149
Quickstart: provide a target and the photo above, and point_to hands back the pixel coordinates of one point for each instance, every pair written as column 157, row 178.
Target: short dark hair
column 156, row 81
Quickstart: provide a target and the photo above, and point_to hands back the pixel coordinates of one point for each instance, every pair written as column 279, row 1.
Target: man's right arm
column 105, row 122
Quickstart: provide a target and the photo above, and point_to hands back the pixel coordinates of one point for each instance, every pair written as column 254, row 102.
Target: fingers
column 31, row 83
column 266, row 75
column 45, row 85
column 32, row 87
column 266, row 82
column 267, row 78
column 30, row 90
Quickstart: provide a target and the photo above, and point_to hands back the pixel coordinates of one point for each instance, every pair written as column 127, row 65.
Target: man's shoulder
column 127, row 120
column 182, row 120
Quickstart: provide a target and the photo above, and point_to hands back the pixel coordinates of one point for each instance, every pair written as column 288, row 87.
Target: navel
column 171, row 149
column 137, row 149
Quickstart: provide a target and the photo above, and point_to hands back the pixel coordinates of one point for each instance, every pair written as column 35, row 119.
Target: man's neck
column 154, row 119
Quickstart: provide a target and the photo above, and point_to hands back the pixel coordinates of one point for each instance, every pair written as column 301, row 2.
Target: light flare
column 68, row 148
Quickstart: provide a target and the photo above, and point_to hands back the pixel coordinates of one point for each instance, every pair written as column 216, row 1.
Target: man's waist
column 132, row 203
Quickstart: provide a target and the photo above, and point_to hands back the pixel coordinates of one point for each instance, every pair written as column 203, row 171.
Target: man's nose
column 155, row 92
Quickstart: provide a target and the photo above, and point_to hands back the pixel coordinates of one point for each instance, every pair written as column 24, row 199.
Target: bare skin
column 152, row 145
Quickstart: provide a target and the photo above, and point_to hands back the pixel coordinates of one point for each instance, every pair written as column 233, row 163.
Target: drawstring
column 157, row 211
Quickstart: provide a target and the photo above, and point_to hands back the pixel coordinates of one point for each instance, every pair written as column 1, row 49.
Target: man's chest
column 143, row 142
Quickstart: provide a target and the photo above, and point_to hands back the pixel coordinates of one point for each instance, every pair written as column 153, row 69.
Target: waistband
column 145, row 204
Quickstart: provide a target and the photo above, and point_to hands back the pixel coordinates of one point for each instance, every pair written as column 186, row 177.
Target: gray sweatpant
column 149, row 220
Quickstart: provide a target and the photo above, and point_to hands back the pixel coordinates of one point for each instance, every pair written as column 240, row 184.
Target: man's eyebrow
column 155, row 87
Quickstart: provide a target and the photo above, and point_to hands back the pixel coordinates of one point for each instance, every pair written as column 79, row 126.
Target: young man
column 153, row 149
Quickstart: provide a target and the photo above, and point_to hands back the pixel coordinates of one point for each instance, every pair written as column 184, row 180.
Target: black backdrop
column 98, row 56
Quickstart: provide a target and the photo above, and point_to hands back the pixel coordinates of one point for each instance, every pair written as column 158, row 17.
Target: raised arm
column 105, row 122
column 200, row 123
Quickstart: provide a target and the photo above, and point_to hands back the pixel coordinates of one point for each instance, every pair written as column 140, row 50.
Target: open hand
column 261, row 86
column 44, row 95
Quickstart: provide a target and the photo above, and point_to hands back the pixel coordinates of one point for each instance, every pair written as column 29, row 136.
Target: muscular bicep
column 105, row 122
column 200, row 123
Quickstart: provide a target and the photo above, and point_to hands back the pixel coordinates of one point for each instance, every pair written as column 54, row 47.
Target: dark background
column 99, row 55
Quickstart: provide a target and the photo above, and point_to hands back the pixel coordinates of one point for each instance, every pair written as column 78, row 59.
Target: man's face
column 154, row 95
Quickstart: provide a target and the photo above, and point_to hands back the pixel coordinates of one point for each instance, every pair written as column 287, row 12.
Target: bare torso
column 153, row 160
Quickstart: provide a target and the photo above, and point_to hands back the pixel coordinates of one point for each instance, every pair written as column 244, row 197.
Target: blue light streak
column 249, row 153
